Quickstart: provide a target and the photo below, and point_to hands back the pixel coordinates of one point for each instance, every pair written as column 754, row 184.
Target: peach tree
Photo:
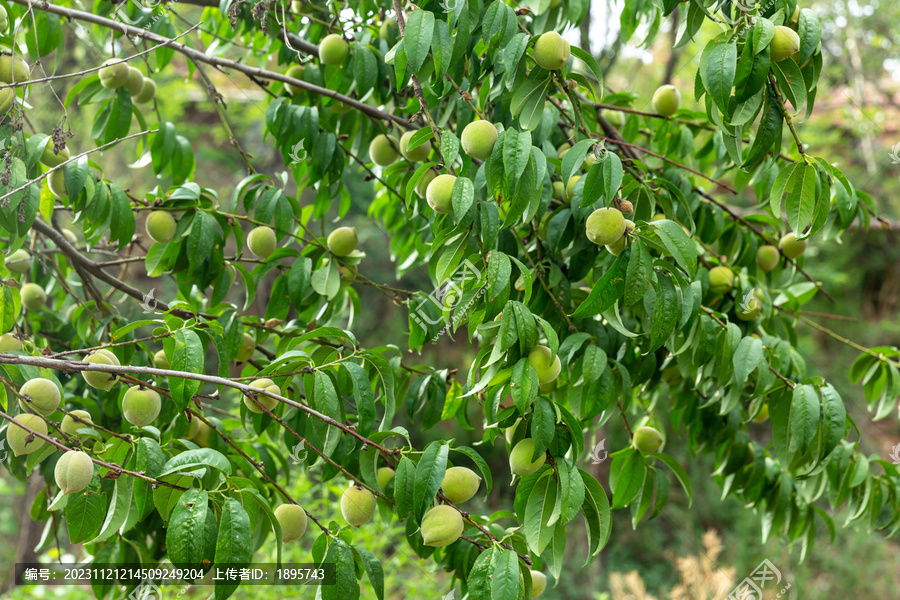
column 615, row 261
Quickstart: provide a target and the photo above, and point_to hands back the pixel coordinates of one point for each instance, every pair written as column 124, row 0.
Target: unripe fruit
column 202, row 437
column 7, row 97
column 57, row 183
column 248, row 345
column 748, row 311
column 160, row 226
column 16, row 437
column 40, row 395
column 70, row 236
column 647, row 439
column 160, row 361
column 342, row 241
column 333, row 50
column 791, row 246
column 563, row 150
column 33, row 296
column 510, row 432
column 301, row 8
column 441, row 526
column 193, row 429
column 13, row 70
column 559, row 191
column 141, row 405
column 114, row 74
column 74, row 471
column 357, row 506
column 794, row 21
column 417, row 154
column 570, row 186
column 763, row 414
column 551, row 51
column 135, row 82
column 383, row 150
column 296, row 72
column 262, row 241
column 4, row 19
column 50, row 158
column 148, row 91
column 384, row 476
column 616, row 247
column 97, row 379
column 666, row 100
column 767, row 257
column 616, row 118
column 440, row 193
column 538, row 583
column 9, row 343
column 388, row 30
column 292, row 519
column 478, row 139
column 460, row 484
column 520, row 462
column 18, row 262
column 721, row 280
column 545, row 364
column 605, row 226
column 267, row 401
column 71, row 426
column 785, row 44
column 424, row 180
column 671, row 376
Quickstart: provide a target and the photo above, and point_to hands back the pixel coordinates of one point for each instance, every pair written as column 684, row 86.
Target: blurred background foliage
column 685, row 552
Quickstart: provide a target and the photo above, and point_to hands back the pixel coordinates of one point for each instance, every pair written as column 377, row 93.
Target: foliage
column 638, row 332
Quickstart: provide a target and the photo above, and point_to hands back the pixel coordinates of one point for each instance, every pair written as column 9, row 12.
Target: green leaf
column 597, row 515
column 607, row 290
column 429, row 475
column 191, row 534
column 768, row 136
column 803, row 420
column 543, row 425
column 505, row 576
column 666, row 311
column 679, row 472
column 374, row 571
column 679, row 244
column 834, row 419
column 417, row 37
column 626, row 477
column 404, row 487
column 340, row 553
column 747, row 358
column 523, row 385
column 718, row 77
column 541, row 502
column 84, row 515
column 149, row 459
column 201, row 457
column 232, row 547
column 637, row 277
column 186, row 353
column 117, row 513
column 800, row 203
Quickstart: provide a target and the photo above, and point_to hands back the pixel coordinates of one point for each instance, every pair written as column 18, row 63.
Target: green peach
column 605, row 226
column 460, row 484
column 357, row 506
column 383, row 150
column 70, row 426
column 292, row 519
column 141, row 405
column 478, row 139
column 39, row 395
column 17, row 437
column 441, row 526
column 551, row 51
column 18, row 262
column 440, row 193
column 791, row 246
column 721, row 280
column 767, row 257
column 666, row 100
column 267, row 401
column 342, row 241
column 160, row 226
column 74, row 471
column 417, row 154
column 33, row 296
column 647, row 439
column 545, row 364
column 333, row 50
column 262, row 241
column 520, row 462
